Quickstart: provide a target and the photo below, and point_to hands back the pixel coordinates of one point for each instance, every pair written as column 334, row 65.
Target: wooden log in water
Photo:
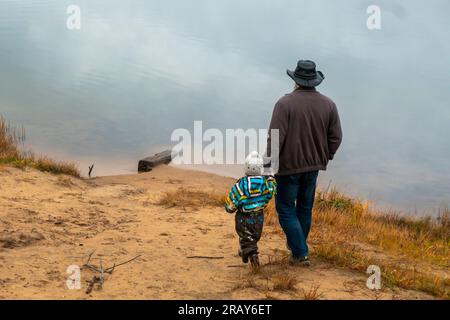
column 148, row 163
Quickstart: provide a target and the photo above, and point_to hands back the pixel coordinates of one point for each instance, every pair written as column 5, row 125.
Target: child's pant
column 249, row 226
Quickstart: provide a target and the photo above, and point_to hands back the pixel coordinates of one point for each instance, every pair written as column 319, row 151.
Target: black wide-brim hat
column 305, row 74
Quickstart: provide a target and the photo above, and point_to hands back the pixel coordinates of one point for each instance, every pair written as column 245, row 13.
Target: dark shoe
column 244, row 259
column 254, row 261
column 302, row 261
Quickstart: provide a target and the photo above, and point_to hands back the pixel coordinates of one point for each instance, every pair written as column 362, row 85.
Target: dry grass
column 412, row 253
column 268, row 279
column 312, row 293
column 271, row 218
column 11, row 139
column 278, row 258
column 247, row 283
column 272, row 278
column 284, row 282
column 193, row 199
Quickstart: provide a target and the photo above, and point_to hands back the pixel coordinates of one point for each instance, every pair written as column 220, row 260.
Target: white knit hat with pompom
column 254, row 164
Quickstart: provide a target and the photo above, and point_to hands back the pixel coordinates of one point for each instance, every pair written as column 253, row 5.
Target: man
column 309, row 136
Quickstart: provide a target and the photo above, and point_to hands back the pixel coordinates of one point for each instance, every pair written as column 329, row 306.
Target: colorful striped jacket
column 251, row 194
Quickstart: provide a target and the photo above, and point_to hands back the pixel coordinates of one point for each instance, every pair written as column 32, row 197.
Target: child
column 249, row 196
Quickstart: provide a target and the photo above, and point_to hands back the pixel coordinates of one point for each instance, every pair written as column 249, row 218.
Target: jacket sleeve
column 233, row 199
column 334, row 132
column 279, row 121
column 271, row 186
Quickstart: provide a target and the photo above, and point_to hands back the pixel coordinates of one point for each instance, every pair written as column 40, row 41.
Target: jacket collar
column 312, row 89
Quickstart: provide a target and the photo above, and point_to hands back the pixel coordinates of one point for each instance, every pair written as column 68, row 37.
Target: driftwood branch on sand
column 90, row 170
column 99, row 272
column 148, row 163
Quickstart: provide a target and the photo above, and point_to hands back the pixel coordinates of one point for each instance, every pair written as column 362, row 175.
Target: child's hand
column 230, row 207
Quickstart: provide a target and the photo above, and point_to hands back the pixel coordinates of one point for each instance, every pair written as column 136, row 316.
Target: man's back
column 309, row 131
column 309, row 135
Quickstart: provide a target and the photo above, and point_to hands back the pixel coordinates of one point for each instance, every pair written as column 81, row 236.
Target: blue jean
column 294, row 203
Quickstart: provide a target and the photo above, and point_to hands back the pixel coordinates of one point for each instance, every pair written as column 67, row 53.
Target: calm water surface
column 115, row 90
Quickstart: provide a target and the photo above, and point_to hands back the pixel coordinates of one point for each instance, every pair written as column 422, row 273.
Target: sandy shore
column 48, row 223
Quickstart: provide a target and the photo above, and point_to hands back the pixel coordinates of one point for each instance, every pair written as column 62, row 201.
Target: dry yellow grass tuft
column 284, row 282
column 10, row 140
column 247, row 283
column 268, row 278
column 312, row 293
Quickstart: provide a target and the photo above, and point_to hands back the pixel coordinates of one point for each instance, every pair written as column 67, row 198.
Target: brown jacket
column 309, row 131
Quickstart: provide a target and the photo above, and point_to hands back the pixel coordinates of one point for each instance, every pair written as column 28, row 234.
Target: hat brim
column 306, row 83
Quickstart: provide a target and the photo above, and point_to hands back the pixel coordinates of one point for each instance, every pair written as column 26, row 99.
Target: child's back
column 249, row 196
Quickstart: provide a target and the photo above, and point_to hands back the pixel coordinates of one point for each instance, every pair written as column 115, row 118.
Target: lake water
column 113, row 91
